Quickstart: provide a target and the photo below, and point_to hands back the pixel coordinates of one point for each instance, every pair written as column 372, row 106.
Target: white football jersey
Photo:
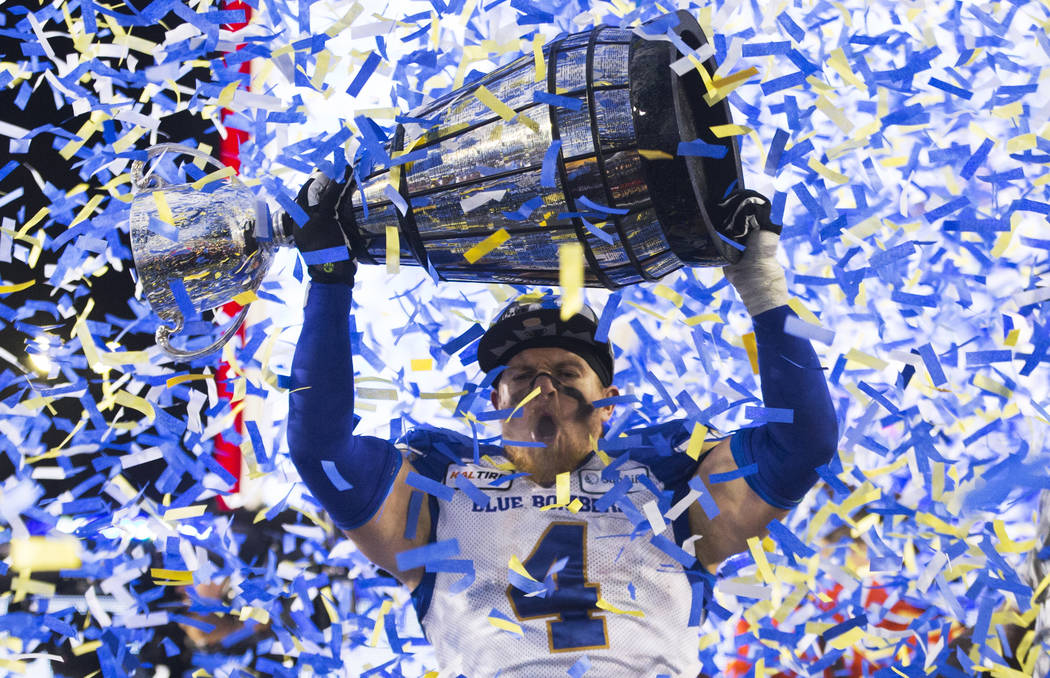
column 603, row 585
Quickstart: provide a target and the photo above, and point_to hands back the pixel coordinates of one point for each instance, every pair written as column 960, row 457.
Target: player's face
column 559, row 416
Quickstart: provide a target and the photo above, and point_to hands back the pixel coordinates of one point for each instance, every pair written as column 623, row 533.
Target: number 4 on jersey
column 574, row 599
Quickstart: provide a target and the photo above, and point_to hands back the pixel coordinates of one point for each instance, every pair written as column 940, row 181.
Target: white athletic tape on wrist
column 758, row 278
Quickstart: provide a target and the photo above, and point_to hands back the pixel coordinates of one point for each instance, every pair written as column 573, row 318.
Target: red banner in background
column 226, row 453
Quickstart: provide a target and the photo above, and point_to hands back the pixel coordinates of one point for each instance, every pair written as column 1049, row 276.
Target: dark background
column 110, row 291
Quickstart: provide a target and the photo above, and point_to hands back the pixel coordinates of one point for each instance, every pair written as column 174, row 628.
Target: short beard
column 543, row 464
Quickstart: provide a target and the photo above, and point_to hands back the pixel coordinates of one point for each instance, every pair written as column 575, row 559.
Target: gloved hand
column 757, row 277
column 320, row 240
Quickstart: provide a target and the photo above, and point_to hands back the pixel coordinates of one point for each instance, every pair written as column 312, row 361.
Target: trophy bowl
column 195, row 250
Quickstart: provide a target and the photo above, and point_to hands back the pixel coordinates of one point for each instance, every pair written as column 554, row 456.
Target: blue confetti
column 702, row 149
column 493, row 415
column 797, row 327
column 933, row 365
column 673, row 550
column 477, row 496
column 951, row 89
column 769, row 414
column 550, row 164
column 756, row 49
column 329, row 255
column 163, row 229
column 742, row 472
column 522, row 443
column 569, row 103
column 776, row 150
column 420, row 556
column 615, row 400
column 729, row 241
column 877, row 397
column 431, row 487
column 415, row 505
column 182, row 298
column 527, row 208
column 582, row 666
column 334, row 476
column 605, row 209
column 363, row 74
column 783, row 82
column 607, row 238
column 977, row 159
column 473, row 333
column 790, row 27
column 608, row 314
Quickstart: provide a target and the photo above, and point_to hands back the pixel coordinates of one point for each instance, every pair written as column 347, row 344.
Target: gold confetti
column 487, row 245
column 570, row 277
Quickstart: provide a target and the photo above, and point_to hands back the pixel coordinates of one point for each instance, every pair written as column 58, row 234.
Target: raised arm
column 358, row 479
column 785, row 452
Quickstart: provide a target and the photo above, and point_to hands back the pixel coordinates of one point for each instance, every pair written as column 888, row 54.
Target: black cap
column 536, row 323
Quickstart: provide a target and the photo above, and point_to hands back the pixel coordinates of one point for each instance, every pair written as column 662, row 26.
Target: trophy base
column 685, row 189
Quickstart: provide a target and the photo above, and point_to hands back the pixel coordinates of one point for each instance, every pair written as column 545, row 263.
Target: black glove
column 318, row 198
column 742, row 212
column 757, row 277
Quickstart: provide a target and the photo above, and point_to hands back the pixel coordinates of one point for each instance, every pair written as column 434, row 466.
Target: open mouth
column 545, row 429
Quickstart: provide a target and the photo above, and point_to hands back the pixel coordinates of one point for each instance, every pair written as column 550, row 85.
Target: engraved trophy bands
column 608, row 115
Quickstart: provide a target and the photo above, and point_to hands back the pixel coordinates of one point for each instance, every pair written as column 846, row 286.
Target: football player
column 523, row 558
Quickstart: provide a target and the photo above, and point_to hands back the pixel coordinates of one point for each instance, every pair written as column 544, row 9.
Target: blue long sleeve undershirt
column 791, row 377
column 323, row 446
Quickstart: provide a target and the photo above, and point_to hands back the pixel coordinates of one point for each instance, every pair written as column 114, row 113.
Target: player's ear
column 494, row 397
column 607, row 411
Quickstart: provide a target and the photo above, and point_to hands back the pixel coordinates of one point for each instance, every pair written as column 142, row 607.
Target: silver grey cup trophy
column 636, row 180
